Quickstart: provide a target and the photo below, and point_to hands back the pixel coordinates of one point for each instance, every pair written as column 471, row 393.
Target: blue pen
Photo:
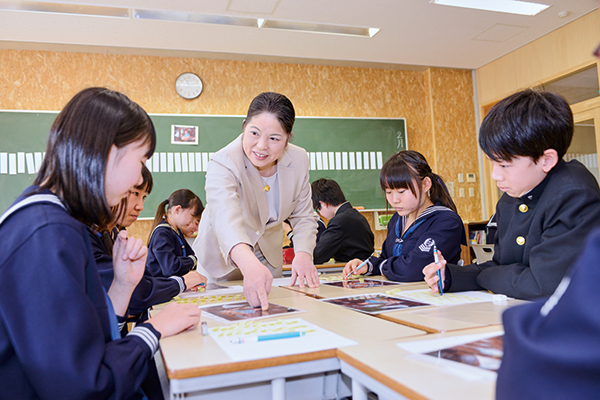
column 362, row 264
column 261, row 338
column 439, row 274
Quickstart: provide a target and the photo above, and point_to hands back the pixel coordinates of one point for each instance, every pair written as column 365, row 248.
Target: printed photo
column 243, row 311
column 182, row 134
column 374, row 303
column 486, row 353
column 359, row 283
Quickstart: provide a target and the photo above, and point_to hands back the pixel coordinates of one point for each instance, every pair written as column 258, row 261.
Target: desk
column 383, row 367
column 451, row 318
column 197, row 367
column 327, row 291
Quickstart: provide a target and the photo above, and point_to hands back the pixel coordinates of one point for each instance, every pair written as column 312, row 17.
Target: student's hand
column 129, row 263
column 175, row 318
column 257, row 278
column 351, row 268
column 430, row 272
column 304, row 268
column 194, row 280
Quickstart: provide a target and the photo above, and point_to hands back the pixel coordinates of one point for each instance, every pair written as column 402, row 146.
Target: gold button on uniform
column 523, row 208
column 520, row 240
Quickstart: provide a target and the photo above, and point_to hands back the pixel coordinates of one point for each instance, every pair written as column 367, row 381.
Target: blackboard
column 339, row 149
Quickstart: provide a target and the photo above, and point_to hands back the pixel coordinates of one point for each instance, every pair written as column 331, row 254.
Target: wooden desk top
column 190, row 354
column 387, row 363
column 451, row 318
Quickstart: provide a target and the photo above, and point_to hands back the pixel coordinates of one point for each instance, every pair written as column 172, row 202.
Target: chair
column 483, row 252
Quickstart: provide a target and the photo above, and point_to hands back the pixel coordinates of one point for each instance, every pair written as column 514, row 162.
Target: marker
column 362, row 264
column 204, row 328
column 436, row 259
column 274, row 336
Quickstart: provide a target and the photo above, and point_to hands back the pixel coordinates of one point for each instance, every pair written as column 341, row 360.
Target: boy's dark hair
column 328, row 191
column 273, row 103
column 406, row 170
column 526, row 124
column 79, row 143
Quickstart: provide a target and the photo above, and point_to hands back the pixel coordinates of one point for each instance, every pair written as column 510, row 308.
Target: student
column 348, row 234
column 150, row 290
column 253, row 185
column 168, row 251
column 58, row 323
column 425, row 216
column 548, row 205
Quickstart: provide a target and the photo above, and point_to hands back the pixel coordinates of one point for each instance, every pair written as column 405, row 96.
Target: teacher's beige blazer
column 237, row 209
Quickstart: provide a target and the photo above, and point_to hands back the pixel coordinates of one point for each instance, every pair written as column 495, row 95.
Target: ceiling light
column 506, row 6
column 321, row 28
column 64, row 8
column 194, row 17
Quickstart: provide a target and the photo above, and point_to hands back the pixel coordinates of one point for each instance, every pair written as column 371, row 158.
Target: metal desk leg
column 359, row 392
column 278, row 389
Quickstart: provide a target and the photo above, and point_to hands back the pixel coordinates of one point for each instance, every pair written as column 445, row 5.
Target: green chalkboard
column 348, row 150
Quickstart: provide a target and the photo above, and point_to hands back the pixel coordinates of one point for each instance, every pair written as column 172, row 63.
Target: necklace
column 266, row 181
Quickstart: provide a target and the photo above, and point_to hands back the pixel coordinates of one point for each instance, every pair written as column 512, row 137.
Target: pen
column 362, row 264
column 439, row 274
column 260, row 338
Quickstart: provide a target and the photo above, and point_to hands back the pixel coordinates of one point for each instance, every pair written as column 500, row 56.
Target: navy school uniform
column 150, row 291
column 169, row 253
column 55, row 331
column 539, row 236
column 551, row 347
column 437, row 224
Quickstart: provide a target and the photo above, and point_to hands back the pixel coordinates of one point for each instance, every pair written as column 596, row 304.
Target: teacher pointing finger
column 253, row 185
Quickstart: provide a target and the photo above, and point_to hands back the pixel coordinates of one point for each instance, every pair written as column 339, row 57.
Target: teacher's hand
column 257, row 278
column 304, row 268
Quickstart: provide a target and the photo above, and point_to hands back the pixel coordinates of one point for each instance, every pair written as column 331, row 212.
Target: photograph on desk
column 242, row 311
column 360, row 283
column 374, row 303
column 472, row 357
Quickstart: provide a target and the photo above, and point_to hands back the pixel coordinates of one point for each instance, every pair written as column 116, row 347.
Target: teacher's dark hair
column 406, row 170
column 79, row 143
column 276, row 104
column 526, row 124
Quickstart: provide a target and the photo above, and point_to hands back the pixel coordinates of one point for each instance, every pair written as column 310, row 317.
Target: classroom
column 429, row 89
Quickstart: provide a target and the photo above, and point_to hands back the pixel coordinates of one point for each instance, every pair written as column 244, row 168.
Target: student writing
column 548, row 205
column 425, row 215
column 177, row 217
column 60, row 335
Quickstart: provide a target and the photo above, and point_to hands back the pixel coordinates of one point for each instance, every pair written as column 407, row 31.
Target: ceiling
column 413, row 33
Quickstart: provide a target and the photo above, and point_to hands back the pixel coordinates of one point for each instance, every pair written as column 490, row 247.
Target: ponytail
column 439, row 192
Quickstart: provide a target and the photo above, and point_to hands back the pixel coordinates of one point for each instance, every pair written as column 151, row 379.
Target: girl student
column 168, row 251
column 150, row 290
column 425, row 216
column 60, row 336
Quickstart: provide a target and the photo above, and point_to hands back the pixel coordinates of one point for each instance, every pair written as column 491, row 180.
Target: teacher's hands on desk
column 430, row 272
column 303, row 268
column 257, row 277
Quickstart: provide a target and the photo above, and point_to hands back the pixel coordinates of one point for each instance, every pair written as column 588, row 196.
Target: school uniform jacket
column 237, row 208
column 55, row 339
column 539, row 236
column 150, row 291
column 169, row 253
column 347, row 236
column 436, row 225
column 551, row 347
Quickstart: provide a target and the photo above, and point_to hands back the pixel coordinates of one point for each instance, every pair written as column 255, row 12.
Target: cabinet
column 468, row 254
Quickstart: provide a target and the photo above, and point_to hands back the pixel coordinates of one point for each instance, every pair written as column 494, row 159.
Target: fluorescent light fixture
column 64, row 8
column 320, row 28
column 260, row 22
column 506, row 6
column 194, row 17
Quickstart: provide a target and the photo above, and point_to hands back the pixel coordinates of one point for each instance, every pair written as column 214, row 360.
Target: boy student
column 548, row 207
column 348, row 234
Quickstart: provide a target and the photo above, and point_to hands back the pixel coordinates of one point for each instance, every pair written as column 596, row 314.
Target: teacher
column 252, row 185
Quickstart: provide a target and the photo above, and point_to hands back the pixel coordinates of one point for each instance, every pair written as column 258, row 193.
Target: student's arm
column 572, row 214
column 166, row 250
column 445, row 228
column 330, row 242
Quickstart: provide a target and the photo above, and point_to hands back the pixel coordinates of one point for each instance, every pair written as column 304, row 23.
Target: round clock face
column 188, row 85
